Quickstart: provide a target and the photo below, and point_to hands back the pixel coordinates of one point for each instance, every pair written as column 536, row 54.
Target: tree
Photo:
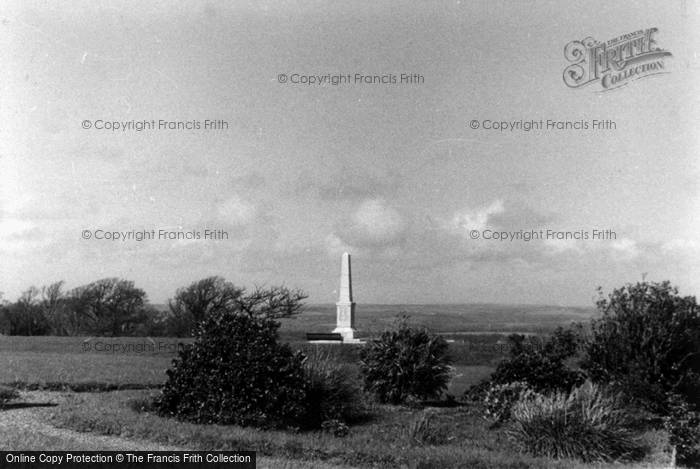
column 110, row 306
column 54, row 307
column 24, row 316
column 211, row 295
column 647, row 343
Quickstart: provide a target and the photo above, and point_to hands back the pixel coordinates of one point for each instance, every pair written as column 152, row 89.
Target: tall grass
column 424, row 430
column 332, row 390
column 588, row 424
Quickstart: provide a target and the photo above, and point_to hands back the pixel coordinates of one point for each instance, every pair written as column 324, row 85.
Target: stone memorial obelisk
column 345, row 320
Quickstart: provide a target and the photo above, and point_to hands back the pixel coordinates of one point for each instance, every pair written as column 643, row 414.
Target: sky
column 394, row 173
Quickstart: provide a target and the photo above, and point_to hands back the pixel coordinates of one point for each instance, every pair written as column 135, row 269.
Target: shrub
column 647, row 344
column 586, row 424
column 236, row 372
column 405, row 362
column 500, row 398
column 7, row 394
column 540, row 363
column 331, row 389
column 477, row 392
column 683, row 426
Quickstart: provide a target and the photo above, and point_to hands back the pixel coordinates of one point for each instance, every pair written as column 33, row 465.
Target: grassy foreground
column 128, row 375
column 383, row 439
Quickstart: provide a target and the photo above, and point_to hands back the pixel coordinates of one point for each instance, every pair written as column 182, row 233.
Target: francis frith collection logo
column 614, row 63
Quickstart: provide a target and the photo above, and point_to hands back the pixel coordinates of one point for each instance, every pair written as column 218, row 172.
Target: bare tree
column 54, row 308
column 204, row 297
column 272, row 302
column 24, row 317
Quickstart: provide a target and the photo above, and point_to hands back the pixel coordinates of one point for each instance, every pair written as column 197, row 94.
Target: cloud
column 517, row 216
column 236, row 211
column 476, row 219
column 353, row 183
column 16, row 234
column 375, row 224
column 378, row 221
column 626, row 246
column 335, row 246
column 682, row 246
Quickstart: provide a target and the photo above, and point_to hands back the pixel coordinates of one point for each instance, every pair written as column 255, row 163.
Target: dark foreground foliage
column 647, row 345
column 538, row 363
column 236, row 372
column 405, row 362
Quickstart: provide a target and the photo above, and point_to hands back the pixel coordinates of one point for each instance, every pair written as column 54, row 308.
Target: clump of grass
column 424, row 431
column 332, row 392
column 7, row 394
column 588, row 424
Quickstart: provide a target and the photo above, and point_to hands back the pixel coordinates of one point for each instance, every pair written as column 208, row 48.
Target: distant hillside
column 160, row 306
column 458, row 318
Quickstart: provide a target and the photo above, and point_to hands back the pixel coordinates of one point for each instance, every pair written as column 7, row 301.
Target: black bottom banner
column 128, row 459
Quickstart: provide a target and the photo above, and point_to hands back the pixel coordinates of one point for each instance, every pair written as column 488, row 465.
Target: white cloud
column 14, row 227
column 626, row 246
column 335, row 246
column 236, row 211
column 476, row 219
column 377, row 221
column 681, row 246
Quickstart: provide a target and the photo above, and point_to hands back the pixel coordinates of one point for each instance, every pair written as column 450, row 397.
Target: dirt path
column 26, row 422
column 24, row 425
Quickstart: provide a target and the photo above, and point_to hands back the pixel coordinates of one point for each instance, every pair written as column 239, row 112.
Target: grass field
column 479, row 333
column 42, row 360
column 63, row 363
column 381, row 440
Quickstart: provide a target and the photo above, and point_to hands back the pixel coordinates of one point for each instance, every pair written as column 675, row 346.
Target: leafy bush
column 683, row 426
column 587, row 424
column 236, row 372
column 7, row 394
column 331, row 388
column 477, row 392
column 500, row 398
column 540, row 363
column 405, row 362
column 647, row 345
